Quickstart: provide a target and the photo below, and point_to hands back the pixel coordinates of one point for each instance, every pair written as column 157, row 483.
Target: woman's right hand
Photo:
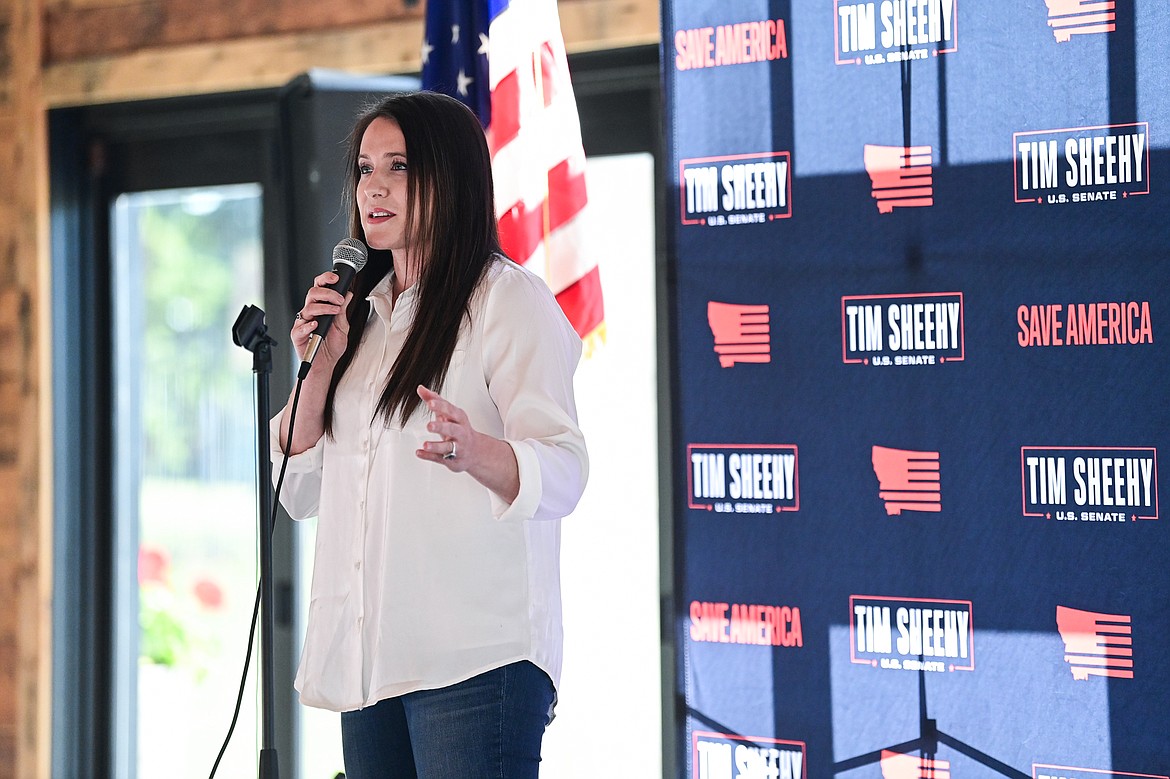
column 321, row 301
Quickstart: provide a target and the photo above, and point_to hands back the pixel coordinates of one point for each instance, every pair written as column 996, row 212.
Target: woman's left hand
column 457, row 448
column 461, row 448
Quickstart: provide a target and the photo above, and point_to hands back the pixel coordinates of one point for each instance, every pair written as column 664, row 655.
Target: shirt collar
column 381, row 295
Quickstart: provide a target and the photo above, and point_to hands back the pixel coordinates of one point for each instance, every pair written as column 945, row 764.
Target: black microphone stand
column 250, row 332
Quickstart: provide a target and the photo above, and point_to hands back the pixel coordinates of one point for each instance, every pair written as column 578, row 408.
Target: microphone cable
column 292, row 418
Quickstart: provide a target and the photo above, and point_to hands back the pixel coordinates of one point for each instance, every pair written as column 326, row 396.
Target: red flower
column 152, row 565
column 209, row 593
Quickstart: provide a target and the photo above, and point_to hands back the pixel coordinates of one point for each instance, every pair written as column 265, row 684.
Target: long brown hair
column 450, row 227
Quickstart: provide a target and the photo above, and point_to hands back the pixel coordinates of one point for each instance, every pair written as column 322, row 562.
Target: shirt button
column 358, row 565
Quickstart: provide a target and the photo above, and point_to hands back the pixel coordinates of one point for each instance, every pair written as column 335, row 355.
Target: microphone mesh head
column 351, row 251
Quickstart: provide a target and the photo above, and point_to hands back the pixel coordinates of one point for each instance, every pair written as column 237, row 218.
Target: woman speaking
column 436, row 439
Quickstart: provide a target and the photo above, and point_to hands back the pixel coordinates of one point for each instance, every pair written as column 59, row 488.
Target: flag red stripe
column 520, row 232
column 505, row 124
column 566, row 192
column 581, row 302
column 548, row 64
column 522, row 229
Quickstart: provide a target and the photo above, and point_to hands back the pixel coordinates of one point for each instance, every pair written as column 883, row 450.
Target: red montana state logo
column 1096, row 644
column 741, row 332
column 902, row 177
column 896, row 765
column 1080, row 17
column 908, row 480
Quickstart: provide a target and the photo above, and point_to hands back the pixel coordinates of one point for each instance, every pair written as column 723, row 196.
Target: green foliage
column 192, row 272
column 162, row 637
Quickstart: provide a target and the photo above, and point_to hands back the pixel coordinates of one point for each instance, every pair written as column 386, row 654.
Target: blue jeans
column 488, row 726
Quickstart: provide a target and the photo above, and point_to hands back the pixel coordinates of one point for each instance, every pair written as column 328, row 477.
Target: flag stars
column 464, row 82
column 484, row 47
column 427, row 48
column 454, row 33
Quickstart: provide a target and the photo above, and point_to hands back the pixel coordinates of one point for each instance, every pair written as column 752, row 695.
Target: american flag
column 506, row 60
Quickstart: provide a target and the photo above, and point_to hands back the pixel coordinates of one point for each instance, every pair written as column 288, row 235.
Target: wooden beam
column 227, row 67
column 272, row 60
column 25, row 407
column 77, row 32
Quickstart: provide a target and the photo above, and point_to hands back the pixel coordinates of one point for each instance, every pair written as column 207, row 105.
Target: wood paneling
column 104, row 29
column 25, row 495
column 238, row 65
column 271, row 60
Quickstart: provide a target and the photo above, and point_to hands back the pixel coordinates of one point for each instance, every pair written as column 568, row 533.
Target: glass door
column 185, row 535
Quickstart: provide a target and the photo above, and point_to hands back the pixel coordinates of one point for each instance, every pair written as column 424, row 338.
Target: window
column 184, row 466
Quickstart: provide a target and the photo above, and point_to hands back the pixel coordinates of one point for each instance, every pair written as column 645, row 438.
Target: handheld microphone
column 349, row 256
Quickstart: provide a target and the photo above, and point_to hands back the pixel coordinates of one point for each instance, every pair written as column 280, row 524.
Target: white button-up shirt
column 423, row 577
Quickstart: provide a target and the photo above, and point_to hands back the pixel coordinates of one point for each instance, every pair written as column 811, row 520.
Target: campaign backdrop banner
column 920, row 288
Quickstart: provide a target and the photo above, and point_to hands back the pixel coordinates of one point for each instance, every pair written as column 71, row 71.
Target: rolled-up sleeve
column 301, row 492
column 530, row 352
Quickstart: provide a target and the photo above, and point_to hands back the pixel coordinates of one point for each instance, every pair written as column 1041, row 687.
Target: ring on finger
column 451, row 454
column 298, row 317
